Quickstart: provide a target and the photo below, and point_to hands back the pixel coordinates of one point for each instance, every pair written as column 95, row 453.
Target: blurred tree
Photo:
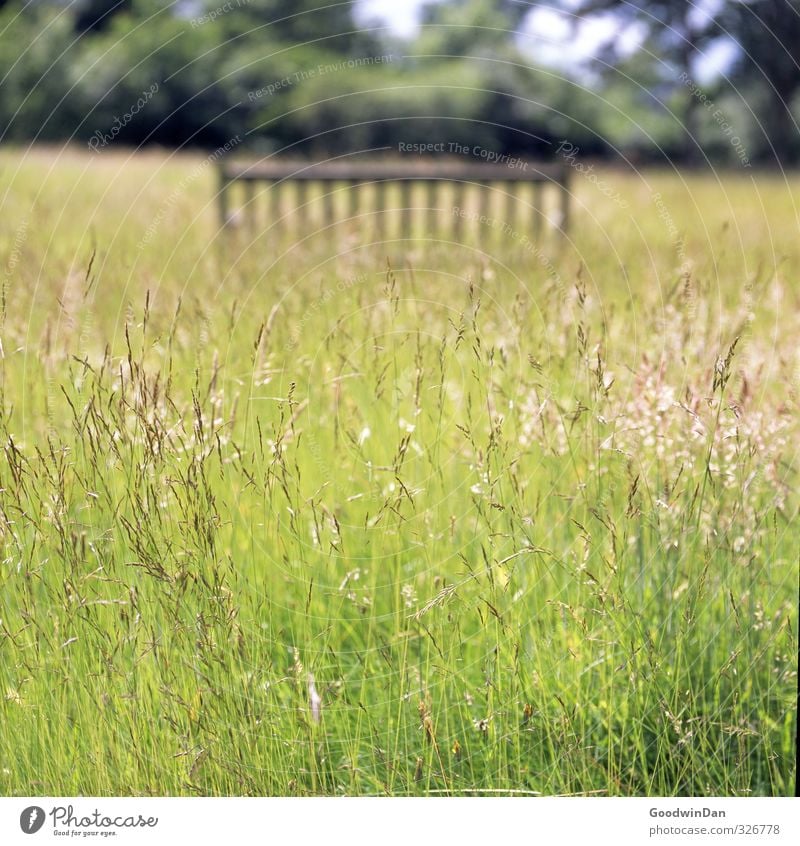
column 676, row 32
column 512, row 107
column 152, row 49
column 320, row 24
column 268, row 52
column 96, row 15
column 768, row 70
column 282, row 75
column 469, row 27
column 766, row 73
column 34, row 71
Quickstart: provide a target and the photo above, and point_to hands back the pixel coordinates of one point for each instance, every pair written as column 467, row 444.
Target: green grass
column 529, row 519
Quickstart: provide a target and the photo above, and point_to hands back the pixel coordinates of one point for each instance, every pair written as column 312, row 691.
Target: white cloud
column 553, row 38
column 715, row 60
column 401, row 17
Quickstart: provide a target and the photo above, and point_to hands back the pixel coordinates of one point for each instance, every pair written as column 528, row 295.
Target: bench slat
column 392, row 171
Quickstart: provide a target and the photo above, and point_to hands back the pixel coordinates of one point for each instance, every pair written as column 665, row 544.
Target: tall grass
column 288, row 515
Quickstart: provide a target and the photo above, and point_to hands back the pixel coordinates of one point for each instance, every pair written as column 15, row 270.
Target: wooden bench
column 352, row 175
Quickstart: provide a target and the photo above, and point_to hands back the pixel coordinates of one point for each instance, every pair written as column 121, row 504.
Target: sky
column 401, row 15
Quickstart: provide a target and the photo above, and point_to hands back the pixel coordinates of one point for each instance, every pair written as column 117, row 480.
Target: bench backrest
column 352, row 175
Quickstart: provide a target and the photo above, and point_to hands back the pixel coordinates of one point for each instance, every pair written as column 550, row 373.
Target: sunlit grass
column 528, row 520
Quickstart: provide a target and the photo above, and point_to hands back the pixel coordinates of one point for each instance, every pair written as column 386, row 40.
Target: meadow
column 326, row 510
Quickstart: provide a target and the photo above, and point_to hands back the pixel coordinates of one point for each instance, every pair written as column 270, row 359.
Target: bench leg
column 222, row 201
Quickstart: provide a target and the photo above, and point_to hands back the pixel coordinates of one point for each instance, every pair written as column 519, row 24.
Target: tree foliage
column 304, row 76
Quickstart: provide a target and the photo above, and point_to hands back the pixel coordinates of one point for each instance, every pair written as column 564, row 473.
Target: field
column 336, row 512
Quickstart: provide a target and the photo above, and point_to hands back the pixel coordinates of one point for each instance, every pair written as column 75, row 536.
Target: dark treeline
column 315, row 77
